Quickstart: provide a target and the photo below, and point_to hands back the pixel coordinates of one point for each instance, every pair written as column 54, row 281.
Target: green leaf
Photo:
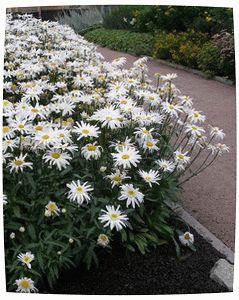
column 16, row 211
column 123, row 235
column 32, row 232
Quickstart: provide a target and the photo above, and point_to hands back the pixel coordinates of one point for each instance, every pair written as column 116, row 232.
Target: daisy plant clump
column 91, row 152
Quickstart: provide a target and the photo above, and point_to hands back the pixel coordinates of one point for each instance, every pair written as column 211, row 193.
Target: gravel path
column 211, row 196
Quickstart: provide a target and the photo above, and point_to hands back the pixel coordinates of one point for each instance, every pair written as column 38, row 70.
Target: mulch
column 155, row 273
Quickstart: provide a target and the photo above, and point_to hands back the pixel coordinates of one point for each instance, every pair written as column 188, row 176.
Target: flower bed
column 91, row 152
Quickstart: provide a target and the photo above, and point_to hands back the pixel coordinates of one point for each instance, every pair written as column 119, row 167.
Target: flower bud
column 71, row 240
column 12, row 235
column 22, row 229
column 103, row 169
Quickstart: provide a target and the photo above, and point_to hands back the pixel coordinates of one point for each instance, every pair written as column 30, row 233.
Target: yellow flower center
column 109, row 118
column 26, row 259
column 145, row 131
column 55, row 155
column 180, row 156
column 25, row 284
column 6, row 103
column 38, row 127
column 91, row 147
column 148, row 178
column 45, row 137
column 149, row 144
column 79, row 189
column 61, row 135
column 114, row 216
column 8, row 142
column 131, row 193
column 117, row 178
column 196, row 115
column 34, row 110
column 123, row 101
column 21, row 126
column 151, row 98
column 103, row 237
column 5, row 129
column 85, row 131
column 194, row 128
column 18, row 162
column 125, row 156
column 187, row 236
column 51, row 206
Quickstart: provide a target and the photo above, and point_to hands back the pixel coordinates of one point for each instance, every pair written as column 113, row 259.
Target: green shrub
column 169, row 18
column 180, row 47
column 122, row 40
column 209, row 59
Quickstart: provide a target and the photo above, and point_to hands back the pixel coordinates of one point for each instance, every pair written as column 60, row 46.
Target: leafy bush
column 80, row 19
column 224, row 41
column 180, row 47
column 148, row 18
column 122, row 40
column 209, row 59
column 91, row 153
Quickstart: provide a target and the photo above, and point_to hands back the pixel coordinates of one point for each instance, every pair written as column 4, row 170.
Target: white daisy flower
column 57, row 158
column 113, row 218
column 109, row 117
column 181, row 158
column 26, row 258
column 186, row 238
column 25, row 285
column 7, row 132
column 150, row 177
column 216, row 132
column 84, row 130
column 186, row 100
column 126, row 157
column 143, row 134
column 172, row 109
column 150, row 145
column 195, row 116
column 103, row 240
column 46, row 138
column 117, row 177
column 222, row 148
column 52, row 208
column 90, row 151
column 194, row 129
column 19, row 163
column 165, row 165
column 169, row 77
column 79, row 192
column 131, row 194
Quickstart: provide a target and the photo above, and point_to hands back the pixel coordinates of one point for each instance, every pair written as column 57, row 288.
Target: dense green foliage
column 170, row 18
column 122, row 40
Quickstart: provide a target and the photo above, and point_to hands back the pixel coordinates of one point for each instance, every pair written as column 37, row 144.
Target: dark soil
column 157, row 272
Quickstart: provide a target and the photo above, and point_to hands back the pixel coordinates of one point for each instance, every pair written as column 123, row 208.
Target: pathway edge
column 202, row 230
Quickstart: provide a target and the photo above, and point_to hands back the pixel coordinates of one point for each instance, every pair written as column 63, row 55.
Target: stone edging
column 203, row 231
column 189, row 70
